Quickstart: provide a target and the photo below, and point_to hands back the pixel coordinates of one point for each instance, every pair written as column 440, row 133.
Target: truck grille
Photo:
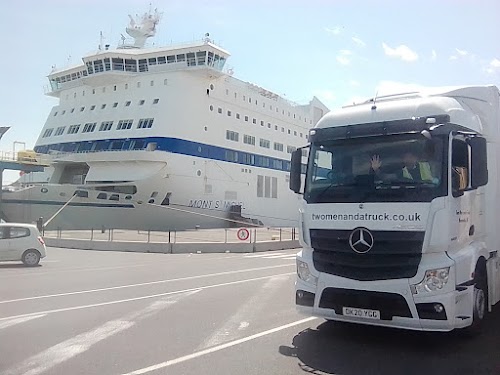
column 394, row 255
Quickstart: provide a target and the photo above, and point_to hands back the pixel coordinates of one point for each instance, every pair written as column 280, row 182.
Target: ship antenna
column 101, row 37
column 374, row 106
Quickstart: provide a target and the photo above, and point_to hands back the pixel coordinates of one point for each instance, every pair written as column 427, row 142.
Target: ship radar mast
column 144, row 27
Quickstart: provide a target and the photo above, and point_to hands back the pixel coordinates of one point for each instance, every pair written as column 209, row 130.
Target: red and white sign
column 243, row 234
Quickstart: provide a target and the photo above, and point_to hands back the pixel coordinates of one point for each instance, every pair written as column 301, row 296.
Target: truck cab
column 399, row 210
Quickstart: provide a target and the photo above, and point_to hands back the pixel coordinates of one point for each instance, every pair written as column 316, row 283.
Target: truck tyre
column 480, row 300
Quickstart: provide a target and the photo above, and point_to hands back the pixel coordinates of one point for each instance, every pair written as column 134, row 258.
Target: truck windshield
column 377, row 169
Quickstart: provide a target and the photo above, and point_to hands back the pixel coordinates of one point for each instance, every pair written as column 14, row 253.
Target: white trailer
column 400, row 211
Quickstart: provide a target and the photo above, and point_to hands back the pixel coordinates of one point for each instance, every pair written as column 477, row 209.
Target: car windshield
column 376, row 168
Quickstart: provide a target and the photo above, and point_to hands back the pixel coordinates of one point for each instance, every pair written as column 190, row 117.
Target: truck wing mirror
column 479, row 165
column 295, row 171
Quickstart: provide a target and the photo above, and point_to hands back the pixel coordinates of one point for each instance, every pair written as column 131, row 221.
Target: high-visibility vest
column 425, row 172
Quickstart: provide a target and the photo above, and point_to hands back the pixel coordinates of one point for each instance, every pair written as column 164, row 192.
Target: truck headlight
column 434, row 280
column 304, row 273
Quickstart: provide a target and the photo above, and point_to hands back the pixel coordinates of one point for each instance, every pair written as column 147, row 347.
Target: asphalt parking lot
column 90, row 312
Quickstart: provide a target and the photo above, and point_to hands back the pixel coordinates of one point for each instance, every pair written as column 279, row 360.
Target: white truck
column 400, row 211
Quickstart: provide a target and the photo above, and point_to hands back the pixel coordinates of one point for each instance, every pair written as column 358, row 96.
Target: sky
column 340, row 51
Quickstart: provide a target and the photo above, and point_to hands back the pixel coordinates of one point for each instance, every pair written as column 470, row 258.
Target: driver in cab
column 413, row 170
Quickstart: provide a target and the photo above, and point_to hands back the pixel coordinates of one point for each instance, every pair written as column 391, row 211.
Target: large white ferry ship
column 162, row 139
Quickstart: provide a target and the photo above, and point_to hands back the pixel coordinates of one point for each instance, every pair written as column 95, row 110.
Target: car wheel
column 31, row 258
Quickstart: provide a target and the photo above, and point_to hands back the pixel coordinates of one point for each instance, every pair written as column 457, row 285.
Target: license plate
column 361, row 313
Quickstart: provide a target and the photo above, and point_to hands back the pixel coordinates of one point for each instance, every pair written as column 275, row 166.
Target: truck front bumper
column 393, row 299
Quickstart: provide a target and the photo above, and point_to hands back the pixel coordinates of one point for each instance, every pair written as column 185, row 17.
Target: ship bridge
column 111, row 66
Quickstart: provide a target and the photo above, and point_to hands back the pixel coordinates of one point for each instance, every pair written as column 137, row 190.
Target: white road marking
column 265, row 254
column 146, row 283
column 218, row 348
column 141, row 298
column 285, row 256
column 70, row 348
column 15, row 321
column 251, row 308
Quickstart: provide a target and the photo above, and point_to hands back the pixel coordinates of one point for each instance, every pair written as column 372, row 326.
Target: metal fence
column 223, row 235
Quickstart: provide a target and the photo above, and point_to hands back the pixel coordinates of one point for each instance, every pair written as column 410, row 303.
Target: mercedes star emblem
column 361, row 240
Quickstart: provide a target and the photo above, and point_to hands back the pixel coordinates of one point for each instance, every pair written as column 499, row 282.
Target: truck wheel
column 480, row 300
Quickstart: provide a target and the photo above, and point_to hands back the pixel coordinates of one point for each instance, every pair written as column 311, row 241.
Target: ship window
column 290, row 149
column 55, row 114
column 289, row 131
column 232, row 136
column 246, row 118
column 151, row 83
column 201, row 57
column 143, row 65
column 301, row 135
column 261, row 123
column 60, row 130
column 171, row 59
column 127, row 103
column 90, row 69
column 82, row 109
column 231, row 156
column 115, row 104
column 126, row 86
column 124, row 124
column 98, row 66
column 274, row 187
column 89, row 127
column 92, row 107
column 181, row 57
column 114, row 88
column 165, row 81
column 154, row 194
column 63, row 112
column 278, row 164
column 117, row 63
column 278, row 146
column 114, row 197
column 190, row 59
column 152, row 61
column 105, row 126
column 229, row 113
column 162, row 60
column 81, row 193
column 138, row 144
column 141, row 102
column 138, row 84
column 73, row 129
column 47, row 133
column 128, row 197
column 238, row 116
column 210, row 59
column 254, row 121
column 156, row 101
column 130, row 65
column 72, row 110
column 267, row 186
column 269, row 125
column 211, row 107
column 107, row 64
column 295, row 133
column 275, row 127
column 151, row 201
column 116, row 145
column 219, row 110
column 249, row 139
column 282, row 129
column 102, row 196
column 265, row 143
column 145, row 123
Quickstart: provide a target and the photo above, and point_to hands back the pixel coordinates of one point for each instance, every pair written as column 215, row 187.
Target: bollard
column 225, row 235
column 149, row 235
column 169, row 236
column 92, row 234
